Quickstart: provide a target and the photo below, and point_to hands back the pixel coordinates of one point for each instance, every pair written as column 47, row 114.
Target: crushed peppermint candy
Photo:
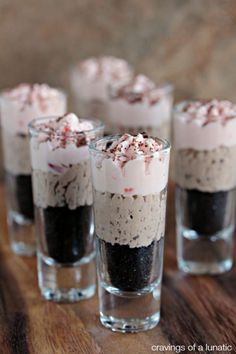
column 68, row 129
column 129, row 147
column 139, row 89
column 209, row 111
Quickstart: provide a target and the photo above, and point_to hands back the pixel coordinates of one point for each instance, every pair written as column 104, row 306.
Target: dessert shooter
column 205, row 141
column 18, row 107
column 89, row 81
column 62, row 192
column 140, row 105
column 130, row 176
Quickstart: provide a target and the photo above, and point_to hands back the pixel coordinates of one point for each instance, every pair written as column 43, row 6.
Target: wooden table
column 199, row 310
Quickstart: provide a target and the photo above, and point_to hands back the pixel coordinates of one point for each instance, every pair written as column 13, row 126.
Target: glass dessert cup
column 205, row 185
column 20, row 216
column 155, row 119
column 88, row 83
column 19, row 196
column 205, row 230
column 129, row 275
column 64, row 217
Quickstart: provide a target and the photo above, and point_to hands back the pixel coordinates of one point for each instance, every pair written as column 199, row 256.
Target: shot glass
column 62, row 192
column 130, row 207
column 140, row 105
column 18, row 107
column 205, row 142
column 89, row 80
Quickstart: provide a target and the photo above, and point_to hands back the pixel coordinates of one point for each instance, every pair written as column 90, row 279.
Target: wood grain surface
column 200, row 310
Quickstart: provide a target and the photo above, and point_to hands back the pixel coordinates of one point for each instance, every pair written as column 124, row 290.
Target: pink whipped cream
column 89, row 79
column 137, row 90
column 132, row 165
column 205, row 125
column 61, row 142
column 26, row 102
column 26, row 95
column 107, row 68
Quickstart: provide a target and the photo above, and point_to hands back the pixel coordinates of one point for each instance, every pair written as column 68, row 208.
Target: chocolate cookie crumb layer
column 68, row 232
column 131, row 269
column 21, row 185
column 207, row 213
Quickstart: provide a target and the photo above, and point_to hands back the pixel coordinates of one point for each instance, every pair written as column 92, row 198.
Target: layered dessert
column 18, row 107
column 205, row 141
column 129, row 178
column 140, row 105
column 62, row 188
column 89, row 81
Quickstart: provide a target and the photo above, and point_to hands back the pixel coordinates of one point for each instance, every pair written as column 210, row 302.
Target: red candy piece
column 128, row 190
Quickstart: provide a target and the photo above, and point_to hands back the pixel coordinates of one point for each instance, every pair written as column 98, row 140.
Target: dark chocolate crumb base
column 207, row 213
column 130, row 269
column 21, row 195
column 68, row 232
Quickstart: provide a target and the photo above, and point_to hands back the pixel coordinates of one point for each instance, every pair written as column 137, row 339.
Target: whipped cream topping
column 206, row 112
column 64, row 130
column 139, row 89
column 139, row 103
column 129, row 147
column 131, row 165
column 90, row 77
column 27, row 94
column 107, row 67
column 205, row 125
column 58, row 143
column 25, row 102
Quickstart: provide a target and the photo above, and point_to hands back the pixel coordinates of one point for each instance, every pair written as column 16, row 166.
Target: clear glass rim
column 111, row 138
column 34, row 130
column 4, row 96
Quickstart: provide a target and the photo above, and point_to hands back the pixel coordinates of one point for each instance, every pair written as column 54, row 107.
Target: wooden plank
column 199, row 310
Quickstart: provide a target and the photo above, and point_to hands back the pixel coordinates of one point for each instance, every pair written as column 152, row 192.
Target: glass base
column 21, row 234
column 66, row 283
column 205, row 268
column 200, row 254
column 129, row 312
column 126, row 325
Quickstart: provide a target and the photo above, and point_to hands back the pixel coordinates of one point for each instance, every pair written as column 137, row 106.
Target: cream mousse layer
column 127, row 211
column 18, row 107
column 205, row 139
column 135, row 221
column 133, row 165
column 140, row 103
column 60, row 161
column 89, row 79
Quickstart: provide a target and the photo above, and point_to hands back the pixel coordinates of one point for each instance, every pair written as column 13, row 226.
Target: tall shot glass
column 205, row 142
column 130, row 207
column 18, row 107
column 62, row 191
